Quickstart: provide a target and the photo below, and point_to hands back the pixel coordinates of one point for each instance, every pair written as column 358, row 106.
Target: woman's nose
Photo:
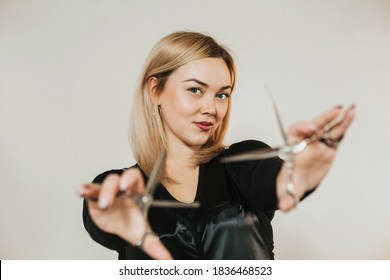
column 208, row 105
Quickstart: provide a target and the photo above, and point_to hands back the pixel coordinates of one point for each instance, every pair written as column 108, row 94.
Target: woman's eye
column 195, row 90
column 223, row 95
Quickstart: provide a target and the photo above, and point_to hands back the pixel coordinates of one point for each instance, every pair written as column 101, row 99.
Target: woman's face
column 195, row 101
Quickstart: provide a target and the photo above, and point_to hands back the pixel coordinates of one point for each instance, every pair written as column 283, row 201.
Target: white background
column 199, row 270
column 67, row 71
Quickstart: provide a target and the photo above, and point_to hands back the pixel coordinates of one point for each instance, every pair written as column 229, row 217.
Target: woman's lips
column 205, row 126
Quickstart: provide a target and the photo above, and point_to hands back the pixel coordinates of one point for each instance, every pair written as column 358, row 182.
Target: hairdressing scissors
column 287, row 151
column 146, row 200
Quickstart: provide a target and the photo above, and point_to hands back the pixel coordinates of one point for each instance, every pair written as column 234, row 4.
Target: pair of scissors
column 146, row 200
column 287, row 151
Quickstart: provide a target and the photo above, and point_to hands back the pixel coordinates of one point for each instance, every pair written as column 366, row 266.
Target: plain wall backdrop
column 68, row 69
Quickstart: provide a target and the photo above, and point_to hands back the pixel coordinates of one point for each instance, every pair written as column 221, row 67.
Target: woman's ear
column 152, row 84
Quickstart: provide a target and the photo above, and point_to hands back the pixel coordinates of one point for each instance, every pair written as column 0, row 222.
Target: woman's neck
column 183, row 171
column 181, row 156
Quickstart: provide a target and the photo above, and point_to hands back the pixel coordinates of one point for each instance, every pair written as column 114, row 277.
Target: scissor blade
column 174, row 204
column 153, row 179
column 277, row 115
column 252, row 155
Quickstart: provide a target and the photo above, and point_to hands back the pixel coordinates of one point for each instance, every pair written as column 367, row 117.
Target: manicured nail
column 313, row 128
column 103, row 203
column 80, row 191
column 339, row 107
column 123, row 185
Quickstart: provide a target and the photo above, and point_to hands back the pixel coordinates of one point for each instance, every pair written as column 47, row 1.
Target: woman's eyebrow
column 197, row 81
column 204, row 84
column 225, row 87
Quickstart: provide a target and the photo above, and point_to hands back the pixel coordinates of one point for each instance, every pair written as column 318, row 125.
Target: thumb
column 287, row 202
column 155, row 249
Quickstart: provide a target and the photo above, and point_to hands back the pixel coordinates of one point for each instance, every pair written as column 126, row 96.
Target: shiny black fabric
column 238, row 201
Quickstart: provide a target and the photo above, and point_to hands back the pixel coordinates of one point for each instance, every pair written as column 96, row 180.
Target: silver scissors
column 147, row 200
column 287, row 150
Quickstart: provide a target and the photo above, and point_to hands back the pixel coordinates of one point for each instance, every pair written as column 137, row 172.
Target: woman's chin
column 197, row 143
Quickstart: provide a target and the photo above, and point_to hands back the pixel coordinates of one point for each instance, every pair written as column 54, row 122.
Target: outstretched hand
column 312, row 164
column 121, row 215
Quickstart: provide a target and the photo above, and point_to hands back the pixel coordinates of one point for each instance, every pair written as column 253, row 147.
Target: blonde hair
column 147, row 136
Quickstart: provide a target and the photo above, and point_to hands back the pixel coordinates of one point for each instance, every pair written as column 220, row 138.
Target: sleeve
column 256, row 179
column 108, row 240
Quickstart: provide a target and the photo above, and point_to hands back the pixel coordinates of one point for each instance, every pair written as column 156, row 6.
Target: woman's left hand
column 312, row 164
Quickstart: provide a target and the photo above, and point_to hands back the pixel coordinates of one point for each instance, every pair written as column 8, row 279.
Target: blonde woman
column 182, row 104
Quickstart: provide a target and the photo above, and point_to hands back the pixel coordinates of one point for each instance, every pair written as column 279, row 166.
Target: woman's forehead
column 211, row 71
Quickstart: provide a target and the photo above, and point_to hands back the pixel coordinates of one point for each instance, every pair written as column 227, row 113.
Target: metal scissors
column 287, row 151
column 147, row 200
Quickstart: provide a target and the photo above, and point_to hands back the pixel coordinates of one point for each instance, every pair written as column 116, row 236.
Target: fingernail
column 103, row 203
column 123, row 185
column 339, row 107
column 80, row 191
column 313, row 128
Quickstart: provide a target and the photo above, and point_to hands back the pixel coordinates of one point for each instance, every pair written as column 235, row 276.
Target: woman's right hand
column 120, row 215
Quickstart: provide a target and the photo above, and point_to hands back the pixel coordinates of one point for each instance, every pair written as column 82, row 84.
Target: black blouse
column 238, row 201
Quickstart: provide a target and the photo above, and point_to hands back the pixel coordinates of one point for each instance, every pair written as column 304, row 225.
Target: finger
column 287, row 202
column 155, row 249
column 88, row 190
column 132, row 181
column 108, row 191
column 301, row 130
column 339, row 131
column 326, row 117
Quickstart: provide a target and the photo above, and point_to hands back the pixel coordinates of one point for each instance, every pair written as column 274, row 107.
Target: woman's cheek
column 221, row 112
column 187, row 104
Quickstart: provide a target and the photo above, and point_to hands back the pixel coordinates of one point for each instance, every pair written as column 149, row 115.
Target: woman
column 182, row 105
